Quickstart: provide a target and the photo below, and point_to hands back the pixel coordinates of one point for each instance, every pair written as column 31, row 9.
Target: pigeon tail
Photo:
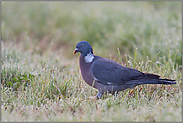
column 158, row 81
column 134, row 83
column 153, row 79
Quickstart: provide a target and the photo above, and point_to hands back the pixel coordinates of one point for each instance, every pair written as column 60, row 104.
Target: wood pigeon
column 107, row 75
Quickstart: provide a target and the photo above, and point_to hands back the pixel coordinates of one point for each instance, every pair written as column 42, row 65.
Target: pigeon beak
column 75, row 51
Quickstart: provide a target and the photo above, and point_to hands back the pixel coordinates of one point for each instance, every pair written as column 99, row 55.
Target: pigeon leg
column 99, row 95
column 115, row 93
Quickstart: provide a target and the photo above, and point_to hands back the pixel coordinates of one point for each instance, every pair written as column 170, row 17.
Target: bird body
column 107, row 75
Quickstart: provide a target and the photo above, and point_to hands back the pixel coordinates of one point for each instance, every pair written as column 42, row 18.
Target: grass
column 41, row 80
column 62, row 95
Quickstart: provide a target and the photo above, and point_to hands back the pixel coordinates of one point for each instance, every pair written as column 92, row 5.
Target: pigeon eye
column 82, row 45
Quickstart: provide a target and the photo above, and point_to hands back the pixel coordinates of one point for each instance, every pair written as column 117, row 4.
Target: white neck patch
column 89, row 58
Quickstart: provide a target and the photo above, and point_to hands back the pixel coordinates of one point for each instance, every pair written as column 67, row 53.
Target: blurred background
column 148, row 27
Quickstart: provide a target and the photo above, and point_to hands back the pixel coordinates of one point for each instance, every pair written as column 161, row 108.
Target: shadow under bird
column 107, row 75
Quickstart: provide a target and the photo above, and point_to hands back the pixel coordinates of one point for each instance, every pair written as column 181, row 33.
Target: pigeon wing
column 108, row 72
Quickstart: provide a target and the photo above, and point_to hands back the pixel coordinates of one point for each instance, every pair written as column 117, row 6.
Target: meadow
column 40, row 77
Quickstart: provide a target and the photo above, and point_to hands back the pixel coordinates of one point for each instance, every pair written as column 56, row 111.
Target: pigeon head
column 84, row 48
